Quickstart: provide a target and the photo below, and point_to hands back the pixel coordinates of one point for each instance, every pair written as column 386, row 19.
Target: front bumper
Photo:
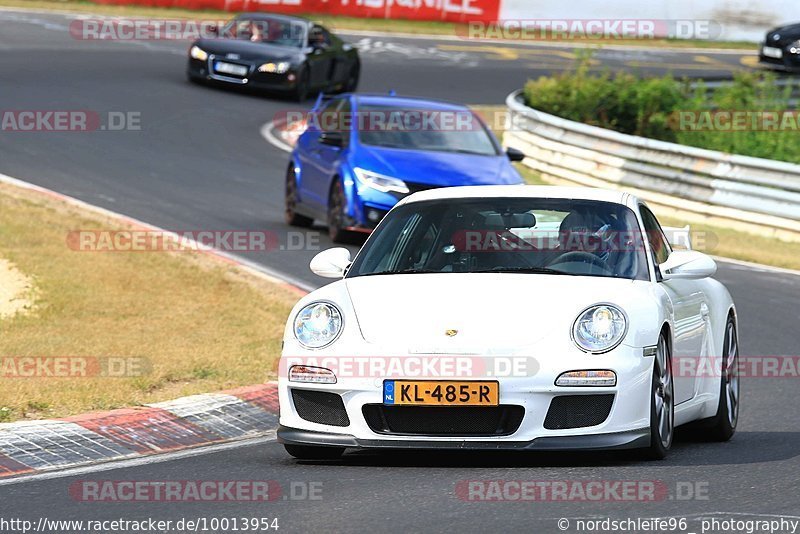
column 201, row 70
column 788, row 63
column 367, row 206
column 631, row 439
column 624, row 425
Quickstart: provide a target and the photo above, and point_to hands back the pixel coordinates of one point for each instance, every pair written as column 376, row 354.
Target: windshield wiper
column 532, row 270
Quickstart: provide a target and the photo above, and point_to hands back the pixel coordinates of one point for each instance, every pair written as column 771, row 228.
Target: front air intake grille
column 576, row 411
column 444, row 421
column 320, row 407
column 414, row 187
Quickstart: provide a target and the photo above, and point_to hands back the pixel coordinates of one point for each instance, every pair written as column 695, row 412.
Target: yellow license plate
column 440, row 393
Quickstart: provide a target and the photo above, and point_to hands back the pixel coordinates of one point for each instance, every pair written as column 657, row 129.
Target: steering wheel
column 580, row 256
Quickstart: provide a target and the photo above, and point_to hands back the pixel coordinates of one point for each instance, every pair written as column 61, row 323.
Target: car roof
column 407, row 101
column 263, row 15
column 523, row 191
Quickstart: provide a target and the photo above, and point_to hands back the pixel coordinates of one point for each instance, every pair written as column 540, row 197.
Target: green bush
column 652, row 107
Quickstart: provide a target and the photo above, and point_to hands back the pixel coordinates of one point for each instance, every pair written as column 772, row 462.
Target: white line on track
column 266, row 133
column 268, row 437
column 451, row 38
column 756, row 266
column 268, row 273
column 553, row 44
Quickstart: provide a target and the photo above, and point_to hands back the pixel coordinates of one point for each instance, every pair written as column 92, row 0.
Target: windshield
column 266, row 30
column 424, row 129
column 491, row 235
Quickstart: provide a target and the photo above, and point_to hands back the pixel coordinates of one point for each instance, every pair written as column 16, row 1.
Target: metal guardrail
column 759, row 192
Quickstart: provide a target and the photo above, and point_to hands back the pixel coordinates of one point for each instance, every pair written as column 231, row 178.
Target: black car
column 781, row 48
column 275, row 53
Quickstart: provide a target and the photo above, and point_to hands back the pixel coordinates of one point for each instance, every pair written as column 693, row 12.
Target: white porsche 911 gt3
column 511, row 317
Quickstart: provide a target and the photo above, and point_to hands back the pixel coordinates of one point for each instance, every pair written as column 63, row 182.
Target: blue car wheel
column 337, row 215
column 290, row 215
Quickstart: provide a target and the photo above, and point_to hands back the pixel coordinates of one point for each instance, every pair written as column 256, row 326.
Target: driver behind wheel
column 578, row 232
column 596, row 238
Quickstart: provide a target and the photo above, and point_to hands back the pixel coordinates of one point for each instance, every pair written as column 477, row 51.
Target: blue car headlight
column 379, row 182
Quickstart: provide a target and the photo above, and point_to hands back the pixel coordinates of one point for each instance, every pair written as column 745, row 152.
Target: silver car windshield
column 515, row 235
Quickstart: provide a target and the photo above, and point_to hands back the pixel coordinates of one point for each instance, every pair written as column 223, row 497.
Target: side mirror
column 515, row 154
column 331, row 263
column 335, row 139
column 688, row 265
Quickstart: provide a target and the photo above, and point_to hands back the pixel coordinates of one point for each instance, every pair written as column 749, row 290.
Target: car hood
column 438, row 168
column 490, row 311
column 788, row 33
column 247, row 50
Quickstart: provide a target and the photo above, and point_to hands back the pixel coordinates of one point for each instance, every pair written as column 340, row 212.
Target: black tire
column 662, row 404
column 291, row 217
column 302, row 89
column 722, row 426
column 336, row 215
column 310, row 452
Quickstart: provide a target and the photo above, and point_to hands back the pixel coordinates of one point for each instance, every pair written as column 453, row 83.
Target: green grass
column 196, row 323
column 728, row 243
column 656, row 107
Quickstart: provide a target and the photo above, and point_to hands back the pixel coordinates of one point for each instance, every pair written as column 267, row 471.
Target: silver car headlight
column 198, row 53
column 318, row 325
column 599, row 328
column 794, row 48
column 380, row 182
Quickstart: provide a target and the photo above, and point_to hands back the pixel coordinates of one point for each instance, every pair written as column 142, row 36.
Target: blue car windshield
column 566, row 237
column 458, row 131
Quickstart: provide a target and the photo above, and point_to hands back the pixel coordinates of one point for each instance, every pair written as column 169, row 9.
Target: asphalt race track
column 199, row 163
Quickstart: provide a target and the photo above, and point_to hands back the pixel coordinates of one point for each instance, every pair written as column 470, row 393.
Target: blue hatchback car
column 361, row 154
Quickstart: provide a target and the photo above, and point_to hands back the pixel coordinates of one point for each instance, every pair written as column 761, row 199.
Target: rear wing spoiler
column 679, row 237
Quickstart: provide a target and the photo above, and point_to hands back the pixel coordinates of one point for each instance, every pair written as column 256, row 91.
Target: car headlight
column 276, row 68
column 198, row 53
column 380, row 182
column 794, row 48
column 318, row 325
column 599, row 328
